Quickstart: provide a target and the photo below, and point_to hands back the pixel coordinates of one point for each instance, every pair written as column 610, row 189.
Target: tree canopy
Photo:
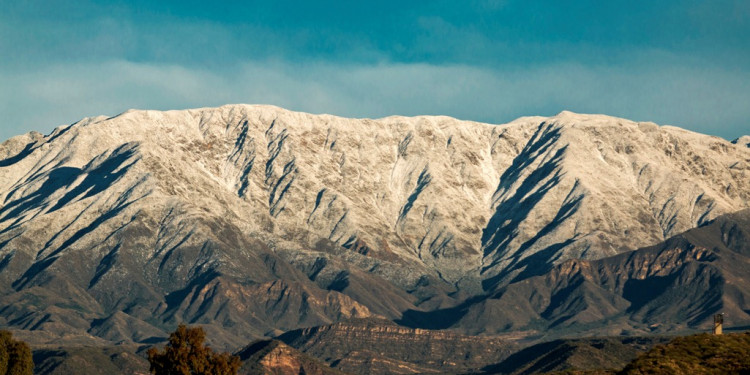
column 186, row 354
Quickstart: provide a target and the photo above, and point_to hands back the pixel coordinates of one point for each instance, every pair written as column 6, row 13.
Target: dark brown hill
column 697, row 354
column 587, row 354
column 88, row 360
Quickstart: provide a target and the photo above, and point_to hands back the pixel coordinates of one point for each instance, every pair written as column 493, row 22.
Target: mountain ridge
column 151, row 218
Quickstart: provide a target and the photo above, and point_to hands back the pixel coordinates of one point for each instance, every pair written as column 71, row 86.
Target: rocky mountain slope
column 668, row 287
column 271, row 357
column 254, row 220
column 375, row 346
column 674, row 287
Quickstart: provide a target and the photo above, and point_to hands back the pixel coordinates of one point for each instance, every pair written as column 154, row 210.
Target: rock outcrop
column 372, row 346
column 271, row 357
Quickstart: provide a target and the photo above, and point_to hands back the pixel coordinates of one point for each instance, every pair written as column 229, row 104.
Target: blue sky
column 685, row 63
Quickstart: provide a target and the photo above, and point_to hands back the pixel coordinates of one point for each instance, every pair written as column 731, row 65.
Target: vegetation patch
column 697, row 354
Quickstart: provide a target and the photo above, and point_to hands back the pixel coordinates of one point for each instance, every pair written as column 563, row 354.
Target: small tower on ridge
column 718, row 323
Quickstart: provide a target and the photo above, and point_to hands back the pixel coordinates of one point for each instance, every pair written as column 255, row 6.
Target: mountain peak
column 182, row 211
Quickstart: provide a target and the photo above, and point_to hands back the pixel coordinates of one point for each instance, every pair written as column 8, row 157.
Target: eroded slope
column 254, row 220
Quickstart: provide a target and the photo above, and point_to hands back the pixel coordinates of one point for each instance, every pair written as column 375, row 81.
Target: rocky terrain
column 676, row 284
column 275, row 357
column 372, row 346
column 696, row 354
column 272, row 357
column 90, row 360
column 253, row 221
column 589, row 354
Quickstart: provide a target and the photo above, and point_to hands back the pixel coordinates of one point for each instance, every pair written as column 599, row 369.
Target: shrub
column 15, row 356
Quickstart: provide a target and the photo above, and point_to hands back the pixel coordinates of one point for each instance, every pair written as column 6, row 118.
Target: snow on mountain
column 364, row 216
column 742, row 141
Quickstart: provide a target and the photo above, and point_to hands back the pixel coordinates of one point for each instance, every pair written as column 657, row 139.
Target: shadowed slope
column 254, row 220
column 677, row 284
column 271, row 357
column 698, row 354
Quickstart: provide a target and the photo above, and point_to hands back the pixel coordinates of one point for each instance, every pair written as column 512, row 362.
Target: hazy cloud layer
column 683, row 96
column 682, row 62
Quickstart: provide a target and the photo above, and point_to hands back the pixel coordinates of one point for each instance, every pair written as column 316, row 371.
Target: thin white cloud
column 710, row 101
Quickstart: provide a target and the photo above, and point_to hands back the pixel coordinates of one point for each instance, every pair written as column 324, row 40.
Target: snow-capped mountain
column 256, row 220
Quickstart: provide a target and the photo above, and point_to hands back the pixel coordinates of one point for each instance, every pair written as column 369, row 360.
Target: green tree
column 185, row 354
column 15, row 356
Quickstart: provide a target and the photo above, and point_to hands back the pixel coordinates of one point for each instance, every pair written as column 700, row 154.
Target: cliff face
column 271, row 357
column 380, row 347
column 255, row 220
